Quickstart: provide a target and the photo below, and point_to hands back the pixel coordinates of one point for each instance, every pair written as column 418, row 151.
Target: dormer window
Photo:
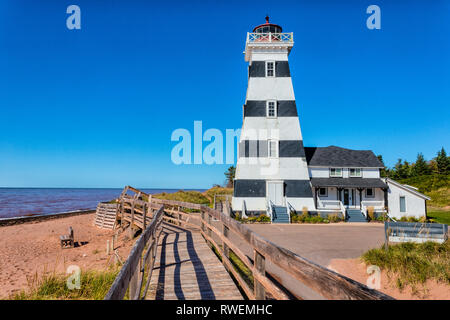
column 335, row 172
column 271, row 109
column 354, row 172
column 270, row 68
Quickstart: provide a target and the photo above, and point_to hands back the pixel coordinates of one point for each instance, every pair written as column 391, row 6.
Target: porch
column 347, row 195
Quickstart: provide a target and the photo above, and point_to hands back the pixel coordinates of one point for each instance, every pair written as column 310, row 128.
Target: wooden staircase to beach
column 106, row 215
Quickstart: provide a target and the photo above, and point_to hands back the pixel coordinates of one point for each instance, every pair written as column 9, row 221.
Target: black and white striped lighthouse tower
column 271, row 172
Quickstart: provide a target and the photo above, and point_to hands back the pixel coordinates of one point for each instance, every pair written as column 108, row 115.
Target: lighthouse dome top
column 268, row 27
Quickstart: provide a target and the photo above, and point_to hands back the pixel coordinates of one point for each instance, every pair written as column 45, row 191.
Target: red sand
column 35, row 247
column 356, row 270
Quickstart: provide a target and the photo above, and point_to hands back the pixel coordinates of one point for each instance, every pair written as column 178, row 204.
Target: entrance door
column 346, row 197
column 275, row 192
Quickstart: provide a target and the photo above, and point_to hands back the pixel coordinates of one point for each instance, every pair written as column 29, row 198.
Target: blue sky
column 96, row 107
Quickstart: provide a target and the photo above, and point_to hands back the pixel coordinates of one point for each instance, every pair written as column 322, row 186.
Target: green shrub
column 94, row 286
column 413, row 263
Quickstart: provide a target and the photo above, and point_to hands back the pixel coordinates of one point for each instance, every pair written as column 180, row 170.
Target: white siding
column 278, row 88
column 319, row 172
column 371, row 173
column 265, row 168
column 285, row 128
column 415, row 205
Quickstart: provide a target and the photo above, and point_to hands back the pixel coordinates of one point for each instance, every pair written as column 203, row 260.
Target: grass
column 439, row 216
column 94, row 286
column 186, row 196
column 413, row 263
column 437, row 187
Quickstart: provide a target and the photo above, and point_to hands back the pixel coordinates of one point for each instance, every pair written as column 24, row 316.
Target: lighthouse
column 271, row 173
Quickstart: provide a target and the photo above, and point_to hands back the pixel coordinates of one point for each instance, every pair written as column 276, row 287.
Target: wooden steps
column 105, row 216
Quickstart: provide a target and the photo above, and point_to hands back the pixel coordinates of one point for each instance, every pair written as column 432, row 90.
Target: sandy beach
column 356, row 270
column 31, row 248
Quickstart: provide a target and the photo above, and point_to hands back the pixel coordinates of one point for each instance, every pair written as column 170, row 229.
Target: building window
column 370, row 193
column 271, row 109
column 402, row 204
column 270, row 69
column 354, row 172
column 335, row 172
column 273, row 148
column 323, row 192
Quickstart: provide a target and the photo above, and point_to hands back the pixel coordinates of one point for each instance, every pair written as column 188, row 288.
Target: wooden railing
column 139, row 265
column 220, row 231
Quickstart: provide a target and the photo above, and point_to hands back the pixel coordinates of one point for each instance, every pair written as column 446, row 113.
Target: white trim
column 336, row 176
column 405, row 187
column 269, row 149
column 355, row 176
column 275, row 109
column 267, row 69
column 346, row 167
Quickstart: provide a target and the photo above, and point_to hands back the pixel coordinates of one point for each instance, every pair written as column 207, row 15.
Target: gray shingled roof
column 333, row 156
column 348, row 182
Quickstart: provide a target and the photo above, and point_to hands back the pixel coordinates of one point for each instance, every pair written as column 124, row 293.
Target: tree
column 229, row 174
column 442, row 162
column 420, row 167
column 383, row 172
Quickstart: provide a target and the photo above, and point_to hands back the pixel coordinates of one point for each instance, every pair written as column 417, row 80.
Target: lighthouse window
column 271, row 109
column 270, row 69
column 273, row 148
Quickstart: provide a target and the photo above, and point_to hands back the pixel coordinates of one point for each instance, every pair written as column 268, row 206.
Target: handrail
column 132, row 274
column 256, row 37
column 269, row 210
column 244, row 210
column 289, row 210
column 273, row 212
column 343, row 209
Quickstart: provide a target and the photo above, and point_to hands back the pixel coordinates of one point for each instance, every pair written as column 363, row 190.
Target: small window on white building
column 323, row 192
column 270, row 68
column 402, row 204
column 273, row 148
column 335, row 172
column 271, row 109
column 370, row 193
column 354, row 172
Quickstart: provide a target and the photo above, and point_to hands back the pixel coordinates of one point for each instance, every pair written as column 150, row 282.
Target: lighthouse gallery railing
column 254, row 37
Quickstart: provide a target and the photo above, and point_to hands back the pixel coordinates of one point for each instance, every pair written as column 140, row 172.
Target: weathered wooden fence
column 415, row 232
column 139, row 265
column 216, row 227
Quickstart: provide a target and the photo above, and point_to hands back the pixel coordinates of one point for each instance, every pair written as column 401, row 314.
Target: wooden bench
column 67, row 240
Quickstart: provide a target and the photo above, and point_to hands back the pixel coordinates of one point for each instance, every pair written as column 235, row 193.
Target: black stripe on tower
column 256, row 188
column 259, row 148
column 258, row 69
column 258, row 108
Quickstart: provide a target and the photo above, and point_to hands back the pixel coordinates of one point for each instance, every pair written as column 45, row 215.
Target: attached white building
column 275, row 174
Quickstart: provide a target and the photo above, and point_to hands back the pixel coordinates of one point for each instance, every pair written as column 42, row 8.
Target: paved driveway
column 322, row 242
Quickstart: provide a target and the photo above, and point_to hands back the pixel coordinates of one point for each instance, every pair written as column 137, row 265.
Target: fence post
column 260, row 265
column 144, row 209
column 134, row 283
column 386, row 237
column 226, row 249
column 132, row 220
column 203, row 220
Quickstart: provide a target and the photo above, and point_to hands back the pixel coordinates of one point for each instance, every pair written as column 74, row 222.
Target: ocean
column 16, row 202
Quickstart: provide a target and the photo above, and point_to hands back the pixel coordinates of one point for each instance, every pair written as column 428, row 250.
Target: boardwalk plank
column 187, row 269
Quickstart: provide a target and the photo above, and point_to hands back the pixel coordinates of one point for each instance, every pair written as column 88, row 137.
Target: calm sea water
column 16, row 202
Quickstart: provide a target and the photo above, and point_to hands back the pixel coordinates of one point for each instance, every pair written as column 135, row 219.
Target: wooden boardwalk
column 187, row 269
